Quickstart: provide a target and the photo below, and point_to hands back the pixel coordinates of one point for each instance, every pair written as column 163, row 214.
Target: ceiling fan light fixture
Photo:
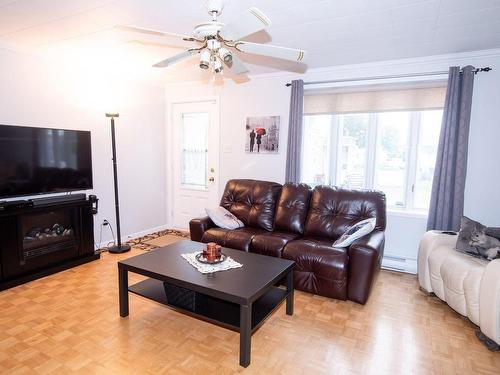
column 213, row 44
column 205, row 59
column 225, row 55
column 218, row 68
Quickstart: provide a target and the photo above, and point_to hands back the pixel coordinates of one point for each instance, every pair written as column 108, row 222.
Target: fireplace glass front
column 48, row 232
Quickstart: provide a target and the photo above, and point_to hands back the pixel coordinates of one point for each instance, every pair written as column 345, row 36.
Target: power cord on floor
column 98, row 249
column 105, row 248
column 112, row 233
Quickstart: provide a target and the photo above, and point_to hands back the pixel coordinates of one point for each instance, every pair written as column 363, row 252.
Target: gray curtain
column 294, row 147
column 447, row 197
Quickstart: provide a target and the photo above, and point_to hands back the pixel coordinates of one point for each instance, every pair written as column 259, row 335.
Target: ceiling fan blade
column 153, row 44
column 250, row 22
column 177, row 58
column 271, row 51
column 236, row 65
column 136, row 29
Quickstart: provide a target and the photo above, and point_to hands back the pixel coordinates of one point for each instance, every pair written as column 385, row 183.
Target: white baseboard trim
column 399, row 264
column 132, row 236
column 144, row 232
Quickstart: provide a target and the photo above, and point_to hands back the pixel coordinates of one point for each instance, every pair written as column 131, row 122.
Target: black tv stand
column 58, row 199
column 45, row 238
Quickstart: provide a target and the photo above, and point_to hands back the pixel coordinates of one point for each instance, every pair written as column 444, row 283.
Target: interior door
column 195, row 150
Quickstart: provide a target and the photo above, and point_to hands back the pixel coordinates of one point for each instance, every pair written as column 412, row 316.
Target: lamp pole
column 119, row 247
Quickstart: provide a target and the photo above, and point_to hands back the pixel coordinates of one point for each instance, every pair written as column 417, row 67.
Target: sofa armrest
column 430, row 241
column 489, row 301
column 199, row 226
column 365, row 256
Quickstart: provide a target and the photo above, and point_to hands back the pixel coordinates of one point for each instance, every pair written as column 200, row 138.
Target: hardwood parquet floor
column 68, row 323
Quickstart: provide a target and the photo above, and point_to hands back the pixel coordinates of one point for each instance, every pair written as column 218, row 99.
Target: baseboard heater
column 394, row 269
column 398, row 264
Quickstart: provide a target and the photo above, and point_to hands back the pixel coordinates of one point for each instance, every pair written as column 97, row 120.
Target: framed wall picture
column 262, row 135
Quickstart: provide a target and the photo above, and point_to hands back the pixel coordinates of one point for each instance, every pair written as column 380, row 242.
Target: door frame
column 169, row 152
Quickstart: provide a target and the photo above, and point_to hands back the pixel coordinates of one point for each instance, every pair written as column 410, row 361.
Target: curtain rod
column 486, row 69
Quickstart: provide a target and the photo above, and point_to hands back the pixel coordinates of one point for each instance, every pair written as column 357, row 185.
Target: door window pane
column 316, row 149
column 352, row 150
column 428, row 139
column 392, row 155
column 194, row 149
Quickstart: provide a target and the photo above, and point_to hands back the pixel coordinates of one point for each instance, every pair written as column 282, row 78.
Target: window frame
column 371, row 155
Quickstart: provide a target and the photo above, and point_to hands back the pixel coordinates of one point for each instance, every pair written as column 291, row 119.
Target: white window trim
column 334, row 151
column 370, row 152
column 412, row 158
column 407, row 213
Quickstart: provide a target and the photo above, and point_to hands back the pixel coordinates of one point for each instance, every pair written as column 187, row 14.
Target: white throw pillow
column 223, row 218
column 358, row 230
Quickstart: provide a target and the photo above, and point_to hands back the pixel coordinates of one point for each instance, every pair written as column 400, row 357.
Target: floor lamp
column 119, row 247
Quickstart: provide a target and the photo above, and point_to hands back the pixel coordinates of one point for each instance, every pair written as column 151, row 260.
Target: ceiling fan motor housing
column 207, row 29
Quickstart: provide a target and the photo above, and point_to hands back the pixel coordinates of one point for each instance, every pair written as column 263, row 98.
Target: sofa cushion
column 358, row 230
column 319, row 268
column 251, row 201
column 271, row 243
column 319, row 242
column 223, row 218
column 292, row 207
column 333, row 210
column 456, row 279
column 239, row 239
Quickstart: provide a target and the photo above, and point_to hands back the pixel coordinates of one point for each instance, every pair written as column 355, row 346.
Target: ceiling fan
column 218, row 42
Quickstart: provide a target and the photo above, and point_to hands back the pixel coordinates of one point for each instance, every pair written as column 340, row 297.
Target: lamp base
column 118, row 249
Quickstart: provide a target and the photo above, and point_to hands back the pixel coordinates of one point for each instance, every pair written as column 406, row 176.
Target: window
column 353, row 150
column 194, row 159
column 430, row 126
column 391, row 156
column 390, row 151
column 316, row 145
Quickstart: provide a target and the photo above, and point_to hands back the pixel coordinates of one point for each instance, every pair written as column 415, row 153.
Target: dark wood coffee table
column 239, row 299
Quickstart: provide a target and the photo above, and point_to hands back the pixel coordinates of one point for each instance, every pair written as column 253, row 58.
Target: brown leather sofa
column 296, row 222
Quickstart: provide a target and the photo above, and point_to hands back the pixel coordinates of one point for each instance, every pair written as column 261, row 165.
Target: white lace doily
column 211, row 268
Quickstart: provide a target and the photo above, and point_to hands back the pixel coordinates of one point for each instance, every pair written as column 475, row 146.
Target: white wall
column 35, row 92
column 482, row 200
column 267, row 95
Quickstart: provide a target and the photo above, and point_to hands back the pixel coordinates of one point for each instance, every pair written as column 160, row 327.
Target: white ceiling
column 333, row 32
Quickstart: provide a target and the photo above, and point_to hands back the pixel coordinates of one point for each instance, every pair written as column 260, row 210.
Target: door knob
column 211, row 179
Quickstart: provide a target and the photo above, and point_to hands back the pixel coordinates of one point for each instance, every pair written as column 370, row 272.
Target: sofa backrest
column 332, row 210
column 292, row 208
column 252, row 201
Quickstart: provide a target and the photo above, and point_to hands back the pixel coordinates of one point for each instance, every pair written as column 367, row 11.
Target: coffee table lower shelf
column 215, row 310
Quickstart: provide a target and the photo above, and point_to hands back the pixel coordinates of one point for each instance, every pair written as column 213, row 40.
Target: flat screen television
column 40, row 161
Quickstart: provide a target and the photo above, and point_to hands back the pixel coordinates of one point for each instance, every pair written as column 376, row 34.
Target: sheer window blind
column 375, row 100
